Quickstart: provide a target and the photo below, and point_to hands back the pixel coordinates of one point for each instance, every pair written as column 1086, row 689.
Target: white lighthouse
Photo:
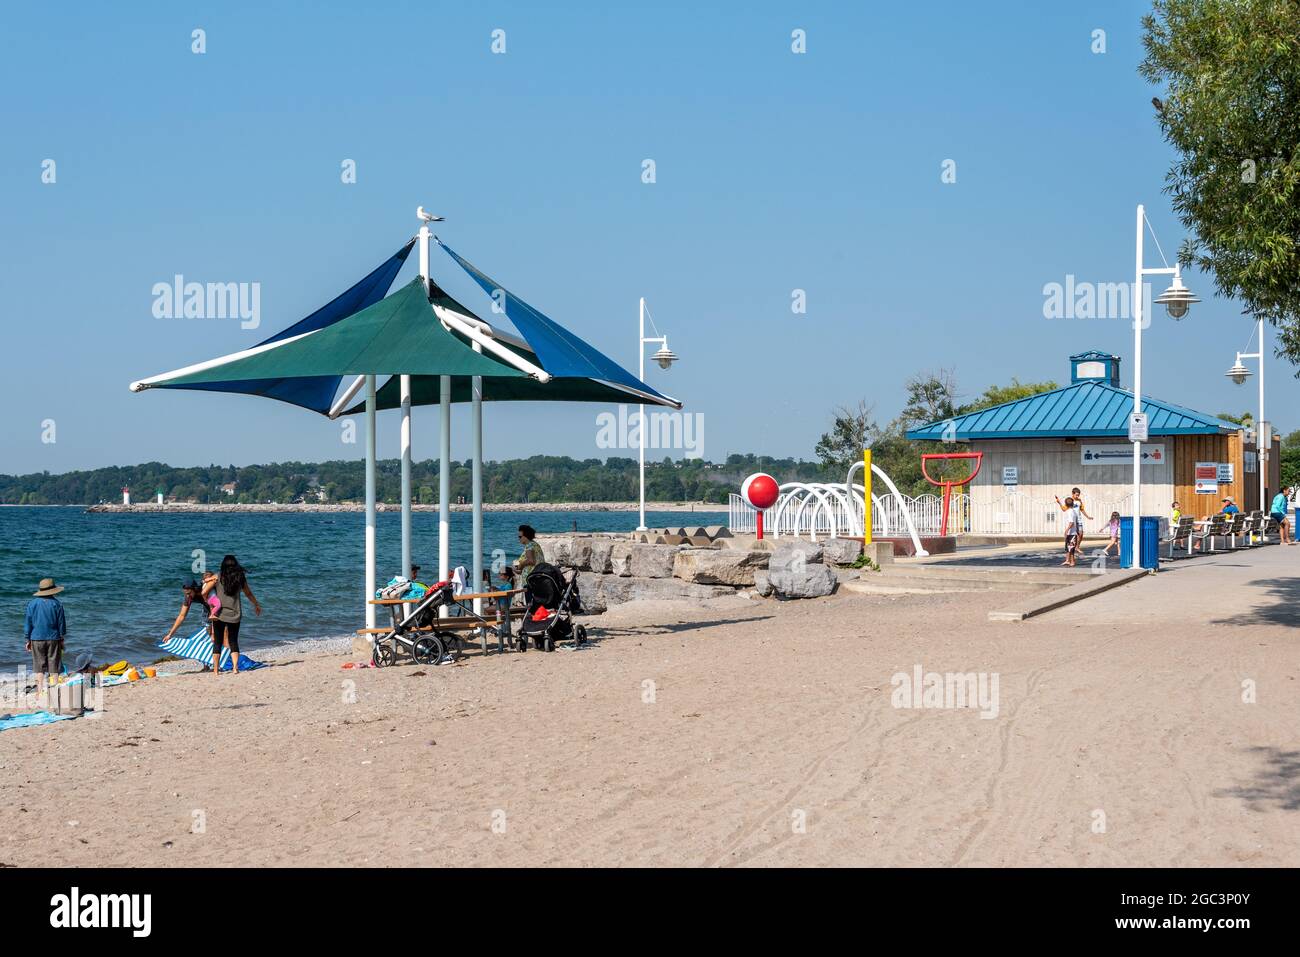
column 126, row 495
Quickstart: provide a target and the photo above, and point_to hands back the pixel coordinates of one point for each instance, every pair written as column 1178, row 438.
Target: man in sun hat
column 45, row 630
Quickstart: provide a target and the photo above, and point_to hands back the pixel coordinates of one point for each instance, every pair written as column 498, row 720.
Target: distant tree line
column 931, row 397
column 541, row 478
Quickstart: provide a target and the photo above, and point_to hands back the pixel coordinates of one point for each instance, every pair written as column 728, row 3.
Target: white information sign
column 1010, row 475
column 1120, row 454
column 1137, row 427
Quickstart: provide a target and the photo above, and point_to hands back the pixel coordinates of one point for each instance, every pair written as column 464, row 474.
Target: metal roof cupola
column 1095, row 366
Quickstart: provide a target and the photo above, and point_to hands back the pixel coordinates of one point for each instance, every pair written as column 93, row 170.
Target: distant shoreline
column 153, row 508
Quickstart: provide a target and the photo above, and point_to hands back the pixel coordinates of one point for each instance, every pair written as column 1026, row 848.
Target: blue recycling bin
column 1149, row 547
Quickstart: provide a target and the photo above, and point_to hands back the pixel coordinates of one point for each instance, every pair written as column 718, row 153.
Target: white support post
column 444, row 482
column 477, row 482
column 640, row 354
column 1260, row 458
column 1136, row 541
column 406, row 475
column 370, row 501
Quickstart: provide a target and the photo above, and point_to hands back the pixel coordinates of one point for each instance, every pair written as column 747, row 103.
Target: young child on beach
column 1112, row 528
column 213, row 602
column 1073, row 531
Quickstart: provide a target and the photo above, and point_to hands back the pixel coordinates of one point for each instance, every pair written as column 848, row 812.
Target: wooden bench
column 452, row 623
column 458, row 623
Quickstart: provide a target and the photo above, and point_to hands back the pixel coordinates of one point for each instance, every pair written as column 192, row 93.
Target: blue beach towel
column 198, row 647
column 32, row 720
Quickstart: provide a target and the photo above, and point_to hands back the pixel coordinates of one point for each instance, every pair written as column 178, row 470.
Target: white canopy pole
column 406, row 475
column 477, row 482
column 370, row 501
column 453, row 320
column 405, row 384
column 640, row 354
column 444, row 483
column 348, row 395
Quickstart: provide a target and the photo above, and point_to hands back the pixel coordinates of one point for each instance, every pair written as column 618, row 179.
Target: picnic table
column 451, row 623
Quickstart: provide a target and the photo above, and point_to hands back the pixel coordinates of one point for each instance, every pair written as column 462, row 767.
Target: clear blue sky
column 775, row 171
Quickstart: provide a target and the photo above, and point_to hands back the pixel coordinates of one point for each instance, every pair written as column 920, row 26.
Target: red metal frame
column 947, row 484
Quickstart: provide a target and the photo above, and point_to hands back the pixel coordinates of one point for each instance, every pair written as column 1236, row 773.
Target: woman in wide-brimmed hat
column 45, row 628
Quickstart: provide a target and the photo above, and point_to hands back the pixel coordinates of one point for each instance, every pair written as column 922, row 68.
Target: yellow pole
column 866, row 497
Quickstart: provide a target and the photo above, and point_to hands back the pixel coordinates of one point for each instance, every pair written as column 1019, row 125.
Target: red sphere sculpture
column 761, row 491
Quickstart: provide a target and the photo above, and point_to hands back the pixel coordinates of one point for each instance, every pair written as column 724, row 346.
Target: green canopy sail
column 396, row 336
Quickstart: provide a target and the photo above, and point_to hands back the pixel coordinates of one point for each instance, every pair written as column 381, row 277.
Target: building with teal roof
column 1039, row 447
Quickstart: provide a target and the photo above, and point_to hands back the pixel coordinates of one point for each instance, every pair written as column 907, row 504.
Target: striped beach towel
column 198, row 647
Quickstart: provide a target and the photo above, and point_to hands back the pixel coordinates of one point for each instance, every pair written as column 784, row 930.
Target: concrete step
column 985, row 575
column 878, row 584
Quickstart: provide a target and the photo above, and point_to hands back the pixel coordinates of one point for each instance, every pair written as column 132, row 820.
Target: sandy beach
column 748, row 732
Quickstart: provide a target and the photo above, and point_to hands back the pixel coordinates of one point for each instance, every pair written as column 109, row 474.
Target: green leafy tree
column 852, row 429
column 998, row 394
column 931, row 397
column 1289, row 462
column 1246, row 419
column 1230, row 106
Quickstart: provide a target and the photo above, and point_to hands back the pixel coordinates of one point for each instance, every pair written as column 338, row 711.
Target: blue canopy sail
column 561, row 353
column 316, row 392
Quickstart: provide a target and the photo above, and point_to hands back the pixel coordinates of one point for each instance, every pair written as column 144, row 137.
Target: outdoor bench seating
column 1236, row 527
column 1182, row 532
column 1211, row 528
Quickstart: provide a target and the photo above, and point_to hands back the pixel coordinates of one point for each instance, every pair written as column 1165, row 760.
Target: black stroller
column 427, row 648
column 547, row 589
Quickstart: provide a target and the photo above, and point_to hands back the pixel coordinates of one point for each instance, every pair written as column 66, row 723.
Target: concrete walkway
column 1258, row 586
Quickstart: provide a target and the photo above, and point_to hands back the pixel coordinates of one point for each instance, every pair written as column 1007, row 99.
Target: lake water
column 123, row 573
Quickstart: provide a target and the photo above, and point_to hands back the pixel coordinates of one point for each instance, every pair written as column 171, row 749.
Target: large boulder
column 717, row 566
column 795, row 552
column 841, row 551
column 802, row 581
column 653, row 561
column 600, row 549
column 605, row 590
column 796, row 571
column 589, row 588
column 620, row 558
column 571, row 551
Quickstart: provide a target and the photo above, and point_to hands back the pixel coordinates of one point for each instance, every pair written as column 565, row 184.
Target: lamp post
column 1239, row 374
column 1176, row 300
column 665, row 357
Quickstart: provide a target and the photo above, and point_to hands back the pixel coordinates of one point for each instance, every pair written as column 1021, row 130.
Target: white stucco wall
column 1051, row 467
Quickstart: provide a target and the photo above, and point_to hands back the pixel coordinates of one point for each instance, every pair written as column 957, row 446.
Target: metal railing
column 1012, row 514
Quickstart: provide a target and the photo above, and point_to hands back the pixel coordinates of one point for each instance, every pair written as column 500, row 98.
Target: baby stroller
column 548, row 590
column 427, row 649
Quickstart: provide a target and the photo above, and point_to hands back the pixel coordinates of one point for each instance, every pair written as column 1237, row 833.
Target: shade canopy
column 395, row 336
column 310, row 392
column 361, row 333
column 560, row 352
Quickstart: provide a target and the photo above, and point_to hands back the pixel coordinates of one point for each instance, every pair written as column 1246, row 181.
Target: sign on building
column 1120, row 454
column 1225, row 473
column 1207, row 478
column 1010, row 475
